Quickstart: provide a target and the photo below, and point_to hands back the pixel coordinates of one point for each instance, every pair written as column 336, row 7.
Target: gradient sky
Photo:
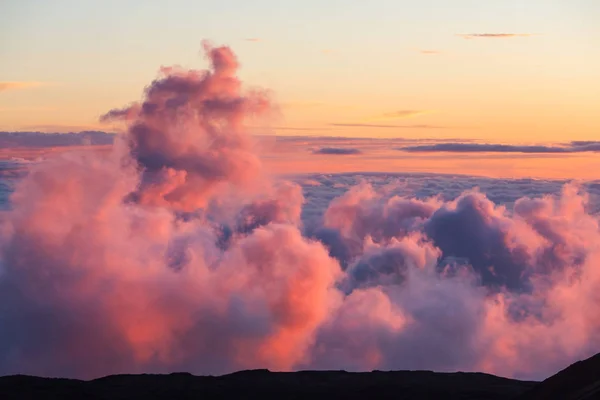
column 330, row 64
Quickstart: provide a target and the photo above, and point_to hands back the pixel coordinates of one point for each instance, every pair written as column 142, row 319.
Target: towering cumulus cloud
column 176, row 251
column 118, row 264
column 187, row 134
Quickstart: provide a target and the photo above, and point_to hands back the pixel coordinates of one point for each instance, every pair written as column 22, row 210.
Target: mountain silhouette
column 580, row 381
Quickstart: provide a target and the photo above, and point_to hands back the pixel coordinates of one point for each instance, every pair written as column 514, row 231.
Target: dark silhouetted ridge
column 263, row 384
column 580, row 381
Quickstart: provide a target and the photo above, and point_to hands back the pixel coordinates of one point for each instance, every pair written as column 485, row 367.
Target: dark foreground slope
column 264, row 384
column 580, row 381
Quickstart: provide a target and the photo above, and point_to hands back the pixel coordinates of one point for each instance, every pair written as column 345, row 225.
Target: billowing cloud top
column 187, row 133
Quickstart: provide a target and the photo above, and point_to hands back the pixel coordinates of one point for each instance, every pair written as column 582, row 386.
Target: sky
column 498, row 71
column 199, row 245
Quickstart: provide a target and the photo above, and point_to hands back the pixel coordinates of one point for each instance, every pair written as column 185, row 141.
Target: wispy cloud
column 4, row 86
column 30, row 109
column 351, row 141
column 430, row 52
column 303, row 104
column 252, row 39
column 46, row 139
column 493, row 35
column 339, row 151
column 360, row 125
column 60, row 128
column 290, row 128
column 293, row 128
column 315, row 104
column 395, row 115
column 378, row 121
column 572, row 147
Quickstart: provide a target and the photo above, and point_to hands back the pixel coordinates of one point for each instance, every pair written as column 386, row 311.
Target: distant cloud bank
column 320, row 143
column 40, row 139
column 572, row 147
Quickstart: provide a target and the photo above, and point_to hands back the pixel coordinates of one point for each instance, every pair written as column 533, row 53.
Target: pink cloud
column 176, row 250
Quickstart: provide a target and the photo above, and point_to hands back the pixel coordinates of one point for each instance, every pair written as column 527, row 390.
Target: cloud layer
column 177, row 251
column 39, row 139
column 337, row 151
column 573, row 147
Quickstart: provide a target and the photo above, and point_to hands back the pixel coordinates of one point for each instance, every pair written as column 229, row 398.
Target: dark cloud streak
column 40, row 139
column 572, row 147
column 336, row 151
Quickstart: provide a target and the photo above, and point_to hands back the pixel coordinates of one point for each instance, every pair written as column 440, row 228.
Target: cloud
column 5, row 86
column 50, row 128
column 336, row 151
column 296, row 128
column 315, row 104
column 522, row 257
column 303, row 104
column 573, row 147
column 253, row 40
column 389, row 116
column 177, row 190
column 493, row 35
column 185, row 165
column 398, row 115
column 40, row 139
column 30, row 109
column 353, row 140
column 429, row 52
column 426, row 185
column 366, row 125
column 190, row 256
column 403, row 114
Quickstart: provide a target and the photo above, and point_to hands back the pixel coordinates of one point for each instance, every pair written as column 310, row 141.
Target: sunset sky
column 336, row 184
column 498, row 70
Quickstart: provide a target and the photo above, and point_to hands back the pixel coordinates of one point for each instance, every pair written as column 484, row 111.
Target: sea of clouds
column 177, row 250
